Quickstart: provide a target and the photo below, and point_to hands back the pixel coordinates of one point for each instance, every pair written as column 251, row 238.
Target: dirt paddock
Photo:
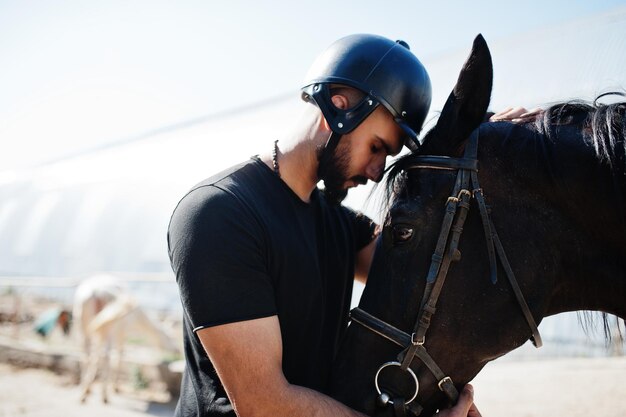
column 555, row 387
column 37, row 392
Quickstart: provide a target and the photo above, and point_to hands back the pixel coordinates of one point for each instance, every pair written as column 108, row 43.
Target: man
column 265, row 261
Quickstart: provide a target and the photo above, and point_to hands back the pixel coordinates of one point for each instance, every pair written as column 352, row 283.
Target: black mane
column 603, row 127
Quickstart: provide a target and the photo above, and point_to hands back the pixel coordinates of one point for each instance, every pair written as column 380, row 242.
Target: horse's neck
column 591, row 200
column 569, row 209
column 590, row 282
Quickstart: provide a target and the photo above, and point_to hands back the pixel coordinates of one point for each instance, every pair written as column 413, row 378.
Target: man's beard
column 333, row 170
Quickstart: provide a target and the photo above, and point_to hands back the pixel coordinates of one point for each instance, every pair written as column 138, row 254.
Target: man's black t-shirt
column 243, row 246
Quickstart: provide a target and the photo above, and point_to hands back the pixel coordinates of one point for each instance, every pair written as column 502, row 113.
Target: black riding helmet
column 386, row 71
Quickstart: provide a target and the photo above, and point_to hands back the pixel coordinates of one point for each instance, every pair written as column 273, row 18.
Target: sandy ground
column 555, row 387
column 563, row 387
column 37, row 392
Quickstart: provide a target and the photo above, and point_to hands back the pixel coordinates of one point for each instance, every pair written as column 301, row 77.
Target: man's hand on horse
column 464, row 407
column 516, row 115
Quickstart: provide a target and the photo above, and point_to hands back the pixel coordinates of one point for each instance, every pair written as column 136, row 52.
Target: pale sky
column 77, row 74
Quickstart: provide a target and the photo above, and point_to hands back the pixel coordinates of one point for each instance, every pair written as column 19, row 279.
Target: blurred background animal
column 106, row 314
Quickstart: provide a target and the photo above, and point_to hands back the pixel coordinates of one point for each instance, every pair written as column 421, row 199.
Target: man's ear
column 340, row 101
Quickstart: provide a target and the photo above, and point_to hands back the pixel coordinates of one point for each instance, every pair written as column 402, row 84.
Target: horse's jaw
column 353, row 377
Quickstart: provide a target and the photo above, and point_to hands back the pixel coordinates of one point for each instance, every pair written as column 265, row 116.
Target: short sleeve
column 217, row 255
column 364, row 227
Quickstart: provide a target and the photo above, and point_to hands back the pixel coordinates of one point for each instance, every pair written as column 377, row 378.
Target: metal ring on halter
column 409, row 370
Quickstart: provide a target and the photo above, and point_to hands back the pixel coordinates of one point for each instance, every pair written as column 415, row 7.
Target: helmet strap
column 327, row 150
column 325, row 155
column 332, row 142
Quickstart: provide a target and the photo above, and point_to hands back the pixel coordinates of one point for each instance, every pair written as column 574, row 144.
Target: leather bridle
column 446, row 251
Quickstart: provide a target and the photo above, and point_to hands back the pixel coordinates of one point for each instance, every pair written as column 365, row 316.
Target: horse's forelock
column 395, row 179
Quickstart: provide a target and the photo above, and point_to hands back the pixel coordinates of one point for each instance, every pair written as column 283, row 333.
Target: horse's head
column 476, row 320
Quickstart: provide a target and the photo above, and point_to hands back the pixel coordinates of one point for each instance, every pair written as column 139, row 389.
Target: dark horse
column 547, row 235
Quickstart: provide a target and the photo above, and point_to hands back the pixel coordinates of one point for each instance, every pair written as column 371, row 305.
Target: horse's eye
column 402, row 233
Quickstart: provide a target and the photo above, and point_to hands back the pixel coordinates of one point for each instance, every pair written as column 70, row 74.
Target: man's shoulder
column 216, row 191
column 234, row 181
column 231, row 174
column 236, row 189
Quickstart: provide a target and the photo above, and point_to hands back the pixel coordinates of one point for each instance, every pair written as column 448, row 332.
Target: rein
column 446, row 252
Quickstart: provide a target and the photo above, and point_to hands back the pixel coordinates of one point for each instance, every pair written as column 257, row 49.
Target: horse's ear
column 466, row 106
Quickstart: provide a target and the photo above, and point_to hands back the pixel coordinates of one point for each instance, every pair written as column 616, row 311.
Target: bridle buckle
column 447, row 379
column 416, row 342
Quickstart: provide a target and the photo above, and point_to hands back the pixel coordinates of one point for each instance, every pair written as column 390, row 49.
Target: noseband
column 446, row 251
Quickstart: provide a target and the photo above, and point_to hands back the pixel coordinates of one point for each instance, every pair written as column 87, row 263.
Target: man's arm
column 248, row 358
column 364, row 261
